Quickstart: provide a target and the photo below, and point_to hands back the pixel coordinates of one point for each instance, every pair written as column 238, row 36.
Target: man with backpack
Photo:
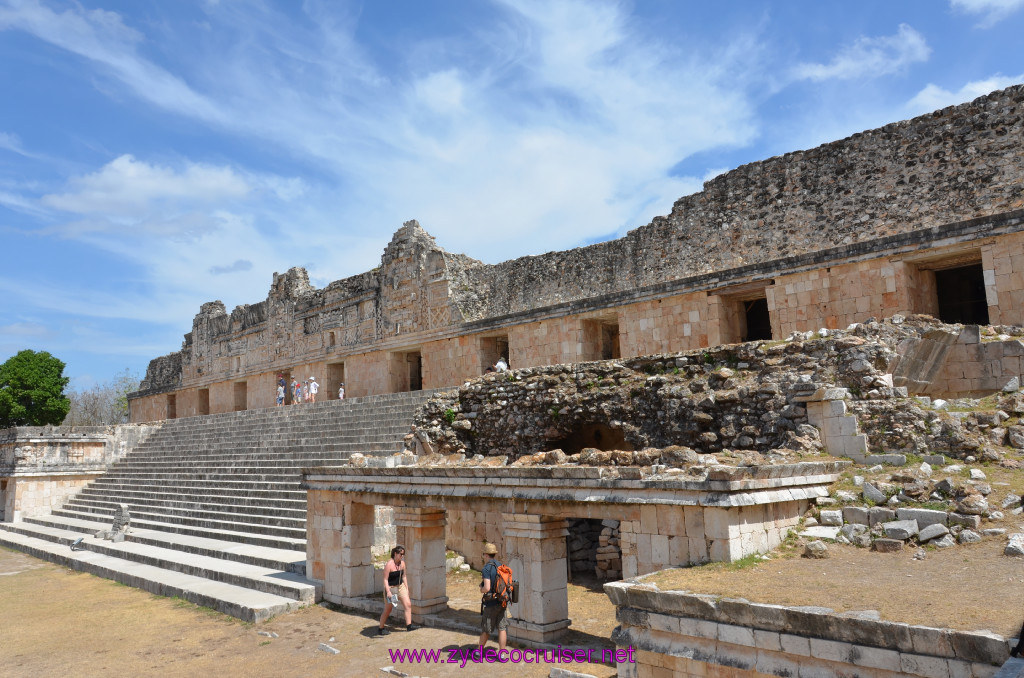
column 496, row 589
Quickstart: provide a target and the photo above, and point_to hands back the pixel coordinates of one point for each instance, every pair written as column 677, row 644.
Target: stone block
column 671, row 520
column 924, row 517
column 694, row 519
column 720, row 523
column 900, row 529
column 877, row 658
column 880, row 514
column 930, row 641
column 660, row 550
column 797, row 645
column 831, row 650
column 736, row 635
column 856, row 515
column 920, row 665
column 649, row 519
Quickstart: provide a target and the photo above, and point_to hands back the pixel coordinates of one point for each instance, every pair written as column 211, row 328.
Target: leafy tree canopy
column 32, row 390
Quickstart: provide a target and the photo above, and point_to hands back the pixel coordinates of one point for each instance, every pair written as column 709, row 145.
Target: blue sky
column 154, row 156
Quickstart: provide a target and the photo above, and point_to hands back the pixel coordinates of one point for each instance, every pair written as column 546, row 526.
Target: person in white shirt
column 501, row 365
column 313, row 389
column 341, row 391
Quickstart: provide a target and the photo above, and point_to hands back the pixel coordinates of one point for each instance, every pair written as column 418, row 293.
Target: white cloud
column 870, row 57
column 128, row 187
column 102, row 37
column 933, row 97
column 994, row 11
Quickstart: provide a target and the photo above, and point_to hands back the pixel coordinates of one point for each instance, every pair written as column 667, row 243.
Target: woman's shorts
column 401, row 590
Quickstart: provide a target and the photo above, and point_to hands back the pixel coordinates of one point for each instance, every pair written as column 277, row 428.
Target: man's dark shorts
column 494, row 619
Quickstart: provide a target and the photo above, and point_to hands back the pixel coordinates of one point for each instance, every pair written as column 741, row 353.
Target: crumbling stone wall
column 744, row 401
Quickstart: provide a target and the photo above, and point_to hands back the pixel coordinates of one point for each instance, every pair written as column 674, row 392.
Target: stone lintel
column 419, row 517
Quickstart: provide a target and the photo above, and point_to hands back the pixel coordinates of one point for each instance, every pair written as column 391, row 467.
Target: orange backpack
column 506, row 589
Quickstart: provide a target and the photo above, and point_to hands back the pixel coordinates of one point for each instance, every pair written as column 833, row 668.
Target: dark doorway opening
column 203, row 401
column 592, row 550
column 610, row 341
column 598, row 436
column 172, row 406
column 758, row 320
column 415, row 361
column 961, row 293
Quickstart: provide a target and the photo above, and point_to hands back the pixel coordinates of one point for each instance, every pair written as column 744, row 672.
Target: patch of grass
column 265, row 642
column 449, row 416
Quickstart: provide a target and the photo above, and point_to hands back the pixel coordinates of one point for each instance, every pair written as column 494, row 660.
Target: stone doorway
column 593, row 550
column 172, row 406
column 241, row 395
column 757, row 321
column 600, row 339
column 335, row 377
column 415, row 362
column 492, row 348
column 961, row 295
column 203, row 401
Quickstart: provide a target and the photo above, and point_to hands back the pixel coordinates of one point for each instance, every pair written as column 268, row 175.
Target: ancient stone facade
column 920, row 216
column 41, row 467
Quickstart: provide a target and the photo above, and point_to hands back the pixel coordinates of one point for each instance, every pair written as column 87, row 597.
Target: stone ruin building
column 688, row 393
column 920, row 216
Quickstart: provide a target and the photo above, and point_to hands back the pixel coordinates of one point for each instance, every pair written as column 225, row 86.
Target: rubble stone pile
column 739, row 402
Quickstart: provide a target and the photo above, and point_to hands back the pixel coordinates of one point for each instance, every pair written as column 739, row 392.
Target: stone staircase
column 217, row 514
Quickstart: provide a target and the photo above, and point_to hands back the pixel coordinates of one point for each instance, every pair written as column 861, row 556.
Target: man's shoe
column 411, row 627
column 381, row 631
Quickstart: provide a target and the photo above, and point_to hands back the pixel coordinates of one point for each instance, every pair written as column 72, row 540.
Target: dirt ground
column 57, row 622
column 970, row 587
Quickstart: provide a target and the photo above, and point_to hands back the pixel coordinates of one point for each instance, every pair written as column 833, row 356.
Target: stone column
column 421, row 532
column 535, row 550
column 339, row 535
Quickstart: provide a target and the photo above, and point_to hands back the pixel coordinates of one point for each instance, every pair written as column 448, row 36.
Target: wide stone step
column 212, row 493
column 291, row 487
column 245, row 603
column 283, row 510
column 61, row 516
column 259, row 478
column 229, row 522
column 281, row 559
column 267, row 580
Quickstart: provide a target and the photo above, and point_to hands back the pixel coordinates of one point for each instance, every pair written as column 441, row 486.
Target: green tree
column 32, row 390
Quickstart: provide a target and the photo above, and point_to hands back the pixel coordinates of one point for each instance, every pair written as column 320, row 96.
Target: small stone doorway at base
column 593, row 551
column 203, row 401
column 172, row 406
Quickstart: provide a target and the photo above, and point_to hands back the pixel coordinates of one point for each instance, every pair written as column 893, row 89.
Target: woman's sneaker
column 411, row 627
column 381, row 631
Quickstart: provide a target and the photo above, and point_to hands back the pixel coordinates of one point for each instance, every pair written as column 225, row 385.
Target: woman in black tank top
column 396, row 589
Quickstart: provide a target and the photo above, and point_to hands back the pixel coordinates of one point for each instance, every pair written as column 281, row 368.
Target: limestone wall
column 688, row 635
column 42, row 466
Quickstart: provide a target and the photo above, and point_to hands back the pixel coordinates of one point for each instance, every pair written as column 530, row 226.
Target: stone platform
column 664, row 520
